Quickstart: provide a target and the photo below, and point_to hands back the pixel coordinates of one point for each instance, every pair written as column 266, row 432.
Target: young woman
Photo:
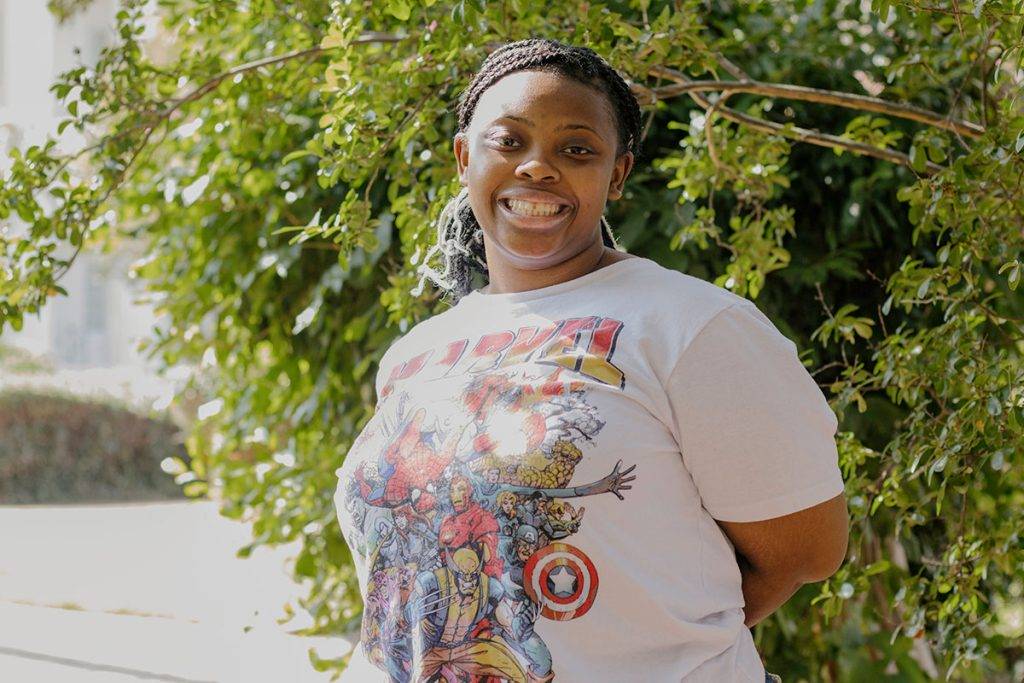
column 578, row 379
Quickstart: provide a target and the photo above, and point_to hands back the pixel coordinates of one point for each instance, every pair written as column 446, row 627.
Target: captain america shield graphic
column 562, row 580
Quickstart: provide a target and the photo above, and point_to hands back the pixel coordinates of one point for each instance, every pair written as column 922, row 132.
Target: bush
column 61, row 449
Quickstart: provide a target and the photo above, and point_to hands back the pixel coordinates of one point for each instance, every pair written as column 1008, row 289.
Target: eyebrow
column 565, row 126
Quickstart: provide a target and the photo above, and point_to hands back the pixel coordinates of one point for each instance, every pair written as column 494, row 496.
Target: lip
column 538, row 196
column 535, row 222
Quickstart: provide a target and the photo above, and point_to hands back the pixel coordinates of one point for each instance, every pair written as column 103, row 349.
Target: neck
column 507, row 278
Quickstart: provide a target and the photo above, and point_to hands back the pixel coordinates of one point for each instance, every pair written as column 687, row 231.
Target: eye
column 505, row 140
column 579, row 150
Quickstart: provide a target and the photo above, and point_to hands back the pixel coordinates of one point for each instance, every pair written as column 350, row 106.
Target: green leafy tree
column 854, row 167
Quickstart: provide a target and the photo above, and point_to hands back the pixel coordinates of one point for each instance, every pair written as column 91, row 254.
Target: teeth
column 524, row 208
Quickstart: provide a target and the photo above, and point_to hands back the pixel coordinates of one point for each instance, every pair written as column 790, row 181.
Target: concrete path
column 145, row 592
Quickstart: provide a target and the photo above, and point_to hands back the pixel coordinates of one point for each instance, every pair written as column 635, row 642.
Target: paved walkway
column 145, row 592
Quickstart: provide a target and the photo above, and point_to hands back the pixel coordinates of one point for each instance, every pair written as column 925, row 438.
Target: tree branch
column 212, row 83
column 796, row 92
column 792, row 132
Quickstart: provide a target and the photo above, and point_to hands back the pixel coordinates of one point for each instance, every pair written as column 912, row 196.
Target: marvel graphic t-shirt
column 535, row 496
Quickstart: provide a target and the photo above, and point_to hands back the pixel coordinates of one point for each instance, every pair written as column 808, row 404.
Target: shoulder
column 675, row 307
column 663, row 284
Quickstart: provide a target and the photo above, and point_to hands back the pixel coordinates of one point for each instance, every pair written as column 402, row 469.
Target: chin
column 535, row 254
column 535, row 261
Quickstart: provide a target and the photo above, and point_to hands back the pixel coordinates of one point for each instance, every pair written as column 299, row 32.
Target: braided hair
column 460, row 239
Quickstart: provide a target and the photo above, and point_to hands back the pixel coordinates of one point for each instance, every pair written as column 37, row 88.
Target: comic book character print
column 409, row 467
column 457, row 508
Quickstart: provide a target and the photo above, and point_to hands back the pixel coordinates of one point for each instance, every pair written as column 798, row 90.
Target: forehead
column 545, row 98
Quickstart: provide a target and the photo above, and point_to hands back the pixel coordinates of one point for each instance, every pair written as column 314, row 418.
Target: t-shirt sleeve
column 755, row 431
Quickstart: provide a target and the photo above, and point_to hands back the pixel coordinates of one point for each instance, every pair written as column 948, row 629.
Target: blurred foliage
column 65, row 10
column 63, row 449
column 18, row 361
column 283, row 161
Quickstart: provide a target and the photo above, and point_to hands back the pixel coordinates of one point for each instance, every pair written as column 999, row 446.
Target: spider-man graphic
column 408, row 470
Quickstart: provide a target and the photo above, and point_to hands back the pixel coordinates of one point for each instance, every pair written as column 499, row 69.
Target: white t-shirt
column 537, row 491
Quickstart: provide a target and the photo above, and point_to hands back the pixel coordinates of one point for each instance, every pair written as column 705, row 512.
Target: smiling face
column 540, row 161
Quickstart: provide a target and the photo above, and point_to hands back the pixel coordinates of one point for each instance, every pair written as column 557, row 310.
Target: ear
column 460, row 144
column 623, row 165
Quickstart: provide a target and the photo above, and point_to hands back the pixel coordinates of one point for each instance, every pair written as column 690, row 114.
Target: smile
column 524, row 208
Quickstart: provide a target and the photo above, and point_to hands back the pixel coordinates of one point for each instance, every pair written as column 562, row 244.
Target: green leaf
column 400, row 9
column 918, row 159
column 878, row 567
column 305, row 565
column 298, row 154
column 195, row 489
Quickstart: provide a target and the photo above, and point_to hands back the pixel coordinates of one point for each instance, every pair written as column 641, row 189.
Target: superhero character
column 409, row 467
column 508, row 521
column 524, row 610
column 490, row 487
column 568, row 418
column 554, row 519
column 462, row 516
column 356, row 510
column 470, row 523
column 385, row 632
column 534, row 510
column 407, row 541
column 454, row 607
column 564, row 519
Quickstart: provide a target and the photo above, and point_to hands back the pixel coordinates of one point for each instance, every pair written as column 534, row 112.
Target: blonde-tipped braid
column 460, row 241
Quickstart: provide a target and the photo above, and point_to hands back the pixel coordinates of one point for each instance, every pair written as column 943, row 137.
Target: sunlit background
column 86, row 341
column 107, row 573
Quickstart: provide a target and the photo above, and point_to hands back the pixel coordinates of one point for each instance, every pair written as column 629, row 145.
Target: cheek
column 599, row 178
column 483, row 177
column 484, row 163
column 488, row 174
column 596, row 182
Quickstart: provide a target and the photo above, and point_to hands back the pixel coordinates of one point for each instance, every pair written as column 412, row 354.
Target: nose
column 536, row 168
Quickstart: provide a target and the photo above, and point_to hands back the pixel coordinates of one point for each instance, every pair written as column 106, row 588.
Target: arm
column 614, row 483
column 777, row 556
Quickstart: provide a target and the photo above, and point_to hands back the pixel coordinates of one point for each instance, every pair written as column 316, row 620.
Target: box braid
column 460, row 239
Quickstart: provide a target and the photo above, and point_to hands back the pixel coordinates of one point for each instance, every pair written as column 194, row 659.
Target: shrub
column 57, row 449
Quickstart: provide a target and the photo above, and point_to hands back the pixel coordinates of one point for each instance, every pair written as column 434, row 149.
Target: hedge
column 63, row 449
